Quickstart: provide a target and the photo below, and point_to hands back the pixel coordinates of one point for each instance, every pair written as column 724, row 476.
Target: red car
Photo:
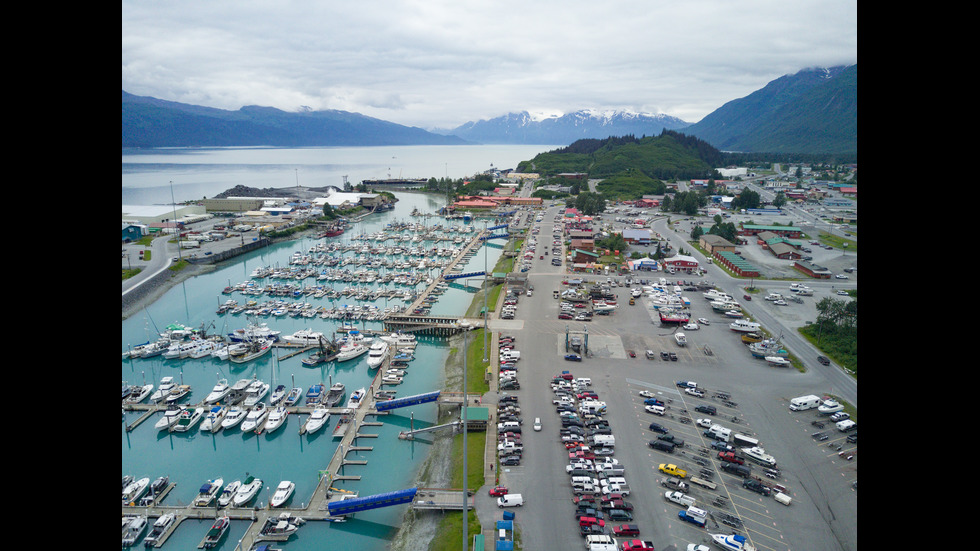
column 626, row 530
column 498, row 491
column 637, row 545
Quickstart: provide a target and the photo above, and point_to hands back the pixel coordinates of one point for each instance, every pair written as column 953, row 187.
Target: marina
column 429, row 307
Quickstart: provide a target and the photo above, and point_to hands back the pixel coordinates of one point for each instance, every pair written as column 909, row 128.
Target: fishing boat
column 674, row 316
column 318, row 419
column 377, row 354
column 208, row 492
column 187, row 419
column 744, row 326
column 160, row 528
column 255, row 392
column 220, row 390
column 279, row 528
column 228, row 494
column 163, row 390
column 216, row 532
column 355, row 398
column 204, row 348
column 293, row 396
column 170, row 416
column 752, row 337
column 256, row 417
column 212, row 421
column 277, row 418
column 766, row 348
column 283, row 492
column 256, row 349
column 139, row 393
column 135, row 490
column 235, row 415
column 247, row 491
column 335, row 395
column 254, row 332
column 180, row 350
column 133, row 527
column 732, row 542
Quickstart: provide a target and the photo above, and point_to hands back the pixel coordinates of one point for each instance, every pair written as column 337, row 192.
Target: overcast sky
column 439, row 64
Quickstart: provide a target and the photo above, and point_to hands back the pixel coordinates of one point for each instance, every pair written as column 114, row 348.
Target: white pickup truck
column 679, row 498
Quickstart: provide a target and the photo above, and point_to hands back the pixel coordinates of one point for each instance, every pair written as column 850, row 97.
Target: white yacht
column 208, row 492
column 318, row 419
column 277, row 418
column 760, row 456
column 304, row 337
column 279, row 528
column 255, row 417
column 132, row 528
column 166, row 385
column 247, row 491
column 139, row 394
column 187, row 419
column 170, row 416
column 255, row 392
column 283, row 492
column 732, row 542
column 212, row 421
column 351, row 351
column 135, row 490
column 220, row 390
column 235, row 415
column 744, row 326
column 160, row 527
column 204, row 348
column 400, row 339
column 377, row 354
column 228, row 493
column 355, row 398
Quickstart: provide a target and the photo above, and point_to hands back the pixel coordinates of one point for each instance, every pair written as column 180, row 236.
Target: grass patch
column 126, row 274
column 450, row 531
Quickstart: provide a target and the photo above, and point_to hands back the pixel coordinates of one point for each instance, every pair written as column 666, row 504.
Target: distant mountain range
column 151, row 122
column 523, row 128
column 813, row 111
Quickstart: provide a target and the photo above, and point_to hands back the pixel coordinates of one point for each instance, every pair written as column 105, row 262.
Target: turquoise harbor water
column 190, row 459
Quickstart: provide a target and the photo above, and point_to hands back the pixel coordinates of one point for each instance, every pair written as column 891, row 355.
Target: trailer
column 704, row 483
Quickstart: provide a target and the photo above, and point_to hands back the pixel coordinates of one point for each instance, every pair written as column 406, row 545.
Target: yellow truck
column 673, row 470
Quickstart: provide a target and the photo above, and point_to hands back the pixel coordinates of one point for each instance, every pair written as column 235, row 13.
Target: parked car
column 756, row 486
column 498, row 491
column 657, row 427
column 573, row 357
column 626, row 530
column 710, row 410
column 823, row 360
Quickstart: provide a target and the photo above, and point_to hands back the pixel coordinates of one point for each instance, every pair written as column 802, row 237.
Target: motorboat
column 318, row 419
column 355, row 398
column 279, row 528
column 766, row 348
column 255, row 349
column 314, row 394
column 680, row 339
column 759, row 455
column 159, row 485
column 187, row 419
column 343, row 423
column 237, row 393
column 170, row 416
column 216, row 532
column 235, row 415
column 277, row 418
column 228, row 494
column 160, row 527
column 744, row 326
column 293, row 396
column 732, row 542
column 139, row 394
column 673, row 315
column 396, row 372
column 212, row 421
column 256, row 417
column 255, row 392
column 377, row 354
column 247, row 491
column 828, row 407
column 204, row 348
column 208, row 492
column 752, row 337
column 734, row 314
column 254, row 331
column 133, row 527
column 335, row 395
column 163, row 390
column 391, row 380
column 180, row 350
column 283, row 492
column 778, row 361
column 351, row 351
column 135, row 490
column 277, row 394
column 303, row 337
column 177, row 393
column 220, row 390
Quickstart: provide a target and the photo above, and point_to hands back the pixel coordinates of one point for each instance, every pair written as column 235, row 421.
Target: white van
column 583, row 480
column 598, row 539
column 606, row 440
column 846, row 425
column 584, row 381
column 510, row 500
column 801, row 403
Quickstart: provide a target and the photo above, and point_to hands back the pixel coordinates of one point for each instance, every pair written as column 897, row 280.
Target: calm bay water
column 191, row 459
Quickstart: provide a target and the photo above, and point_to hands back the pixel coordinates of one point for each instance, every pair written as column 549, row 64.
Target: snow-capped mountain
column 557, row 128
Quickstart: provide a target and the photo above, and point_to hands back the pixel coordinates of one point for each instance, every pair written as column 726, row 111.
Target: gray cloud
column 439, row 64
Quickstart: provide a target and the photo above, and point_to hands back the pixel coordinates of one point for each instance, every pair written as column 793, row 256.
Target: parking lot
column 750, row 397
